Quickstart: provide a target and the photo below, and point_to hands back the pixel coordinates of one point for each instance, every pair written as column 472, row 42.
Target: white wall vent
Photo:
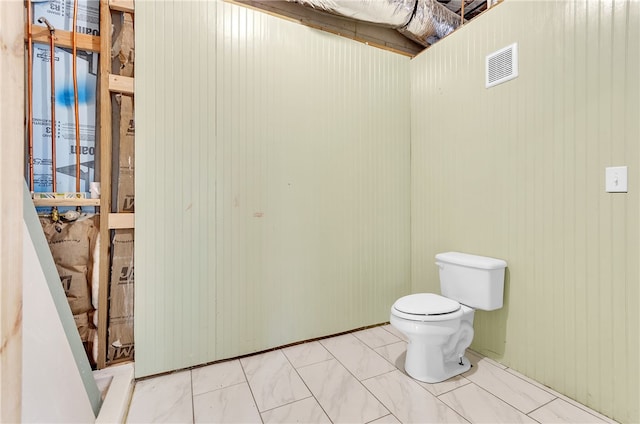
column 502, row 65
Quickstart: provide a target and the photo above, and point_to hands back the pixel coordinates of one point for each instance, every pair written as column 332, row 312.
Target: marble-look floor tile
column 273, row 380
column 376, row 337
column 391, row 329
column 164, row 399
column 560, row 411
column 438, row 389
column 570, row 401
column 341, row 396
column 216, row 376
column 387, row 419
column 513, row 390
column 303, row 411
column 358, row 358
column 233, row 404
column 475, row 358
column 408, row 401
column 396, row 354
column 479, row 406
column 306, row 354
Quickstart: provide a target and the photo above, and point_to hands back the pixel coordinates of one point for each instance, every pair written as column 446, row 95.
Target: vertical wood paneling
column 272, row 183
column 519, row 175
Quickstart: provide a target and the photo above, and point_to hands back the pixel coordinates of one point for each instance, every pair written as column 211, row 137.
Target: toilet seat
column 426, row 307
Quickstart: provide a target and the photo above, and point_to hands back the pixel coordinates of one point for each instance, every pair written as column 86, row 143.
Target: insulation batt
column 423, row 21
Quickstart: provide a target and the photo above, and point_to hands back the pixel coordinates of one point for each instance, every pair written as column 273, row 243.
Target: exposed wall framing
column 116, row 80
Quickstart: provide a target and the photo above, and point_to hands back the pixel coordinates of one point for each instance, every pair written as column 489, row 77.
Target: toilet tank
column 475, row 281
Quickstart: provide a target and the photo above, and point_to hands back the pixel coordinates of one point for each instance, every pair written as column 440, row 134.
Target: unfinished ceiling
column 404, row 26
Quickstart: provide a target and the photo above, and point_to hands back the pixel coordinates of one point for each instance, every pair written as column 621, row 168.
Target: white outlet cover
column 616, row 179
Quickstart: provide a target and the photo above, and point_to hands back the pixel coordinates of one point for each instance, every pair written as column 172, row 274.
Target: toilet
column 440, row 328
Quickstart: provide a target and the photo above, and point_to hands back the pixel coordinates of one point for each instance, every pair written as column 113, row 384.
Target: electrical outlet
column 616, row 179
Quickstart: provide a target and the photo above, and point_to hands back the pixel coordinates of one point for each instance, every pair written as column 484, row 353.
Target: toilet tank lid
column 473, row 261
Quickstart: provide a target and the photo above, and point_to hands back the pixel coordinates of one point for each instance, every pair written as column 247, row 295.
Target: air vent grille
column 502, row 65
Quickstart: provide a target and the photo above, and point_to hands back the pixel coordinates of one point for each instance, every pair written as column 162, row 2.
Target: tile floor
column 352, row 378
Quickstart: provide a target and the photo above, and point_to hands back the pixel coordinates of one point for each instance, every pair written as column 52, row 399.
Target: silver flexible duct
column 423, row 21
column 431, row 22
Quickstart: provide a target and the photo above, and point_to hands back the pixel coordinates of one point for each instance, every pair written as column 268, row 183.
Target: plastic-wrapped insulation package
column 423, row 21
column 60, row 15
column 72, row 245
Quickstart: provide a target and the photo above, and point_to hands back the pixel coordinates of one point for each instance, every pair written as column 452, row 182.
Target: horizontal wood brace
column 120, row 84
column 121, row 221
column 122, row 5
column 63, row 38
column 66, row 202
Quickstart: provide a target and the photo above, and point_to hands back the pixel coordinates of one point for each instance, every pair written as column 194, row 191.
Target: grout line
column 379, row 418
column 311, row 363
column 251, row 390
column 522, row 377
column 379, row 375
column 384, row 357
column 452, row 388
column 218, row 389
column 291, row 403
column 382, row 345
column 349, row 371
column 315, row 363
column 417, row 384
column 193, row 405
column 374, row 376
column 356, row 378
column 401, row 339
column 535, row 384
column 560, row 396
column 502, row 400
column 381, row 402
column 542, row 406
column 305, row 383
column 523, row 380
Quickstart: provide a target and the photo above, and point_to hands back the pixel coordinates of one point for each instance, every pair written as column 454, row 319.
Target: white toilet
column 440, row 328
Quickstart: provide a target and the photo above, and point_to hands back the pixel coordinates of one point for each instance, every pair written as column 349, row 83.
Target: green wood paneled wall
column 517, row 172
column 272, row 183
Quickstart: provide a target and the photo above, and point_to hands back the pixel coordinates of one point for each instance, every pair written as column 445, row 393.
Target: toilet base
column 439, row 373
column 435, row 347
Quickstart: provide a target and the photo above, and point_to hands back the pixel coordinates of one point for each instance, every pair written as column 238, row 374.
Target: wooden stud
column 105, row 179
column 86, row 42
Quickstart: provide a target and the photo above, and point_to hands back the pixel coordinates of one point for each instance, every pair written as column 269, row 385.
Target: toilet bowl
column 439, row 328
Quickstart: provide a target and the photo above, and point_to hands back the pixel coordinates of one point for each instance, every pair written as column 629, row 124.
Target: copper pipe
column 74, row 56
column 30, row 94
column 52, row 45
